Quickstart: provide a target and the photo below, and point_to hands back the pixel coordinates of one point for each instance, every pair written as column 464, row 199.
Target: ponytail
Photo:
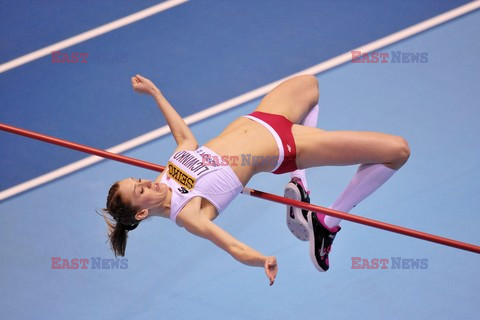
column 118, row 240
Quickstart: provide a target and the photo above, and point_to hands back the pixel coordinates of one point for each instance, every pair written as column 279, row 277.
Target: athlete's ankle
column 322, row 218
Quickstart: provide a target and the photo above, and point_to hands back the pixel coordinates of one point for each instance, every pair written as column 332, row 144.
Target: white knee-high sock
column 310, row 120
column 367, row 179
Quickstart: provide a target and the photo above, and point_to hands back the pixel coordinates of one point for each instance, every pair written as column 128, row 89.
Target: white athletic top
column 195, row 174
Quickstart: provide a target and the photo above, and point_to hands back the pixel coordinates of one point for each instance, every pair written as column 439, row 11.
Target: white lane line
column 90, row 34
column 239, row 100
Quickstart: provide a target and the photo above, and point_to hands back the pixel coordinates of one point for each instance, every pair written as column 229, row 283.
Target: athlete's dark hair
column 124, row 215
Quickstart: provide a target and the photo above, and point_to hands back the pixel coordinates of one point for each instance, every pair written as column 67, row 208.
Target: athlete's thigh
column 292, row 98
column 316, row 147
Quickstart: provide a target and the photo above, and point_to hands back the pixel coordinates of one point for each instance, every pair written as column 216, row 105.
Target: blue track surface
column 173, row 275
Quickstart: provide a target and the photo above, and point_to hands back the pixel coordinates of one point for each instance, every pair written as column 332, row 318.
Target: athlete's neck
column 163, row 209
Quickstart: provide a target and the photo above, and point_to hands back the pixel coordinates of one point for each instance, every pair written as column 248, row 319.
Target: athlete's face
column 143, row 194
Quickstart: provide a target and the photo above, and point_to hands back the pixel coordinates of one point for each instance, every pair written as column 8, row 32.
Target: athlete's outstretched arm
column 200, row 225
column 180, row 131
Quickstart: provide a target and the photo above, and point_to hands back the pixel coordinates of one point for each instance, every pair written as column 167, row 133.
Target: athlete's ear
column 140, row 215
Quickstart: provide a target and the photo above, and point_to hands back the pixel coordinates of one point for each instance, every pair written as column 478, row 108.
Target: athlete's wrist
column 157, row 94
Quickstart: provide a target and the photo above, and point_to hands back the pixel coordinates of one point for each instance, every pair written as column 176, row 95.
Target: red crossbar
column 81, row 147
column 251, row 192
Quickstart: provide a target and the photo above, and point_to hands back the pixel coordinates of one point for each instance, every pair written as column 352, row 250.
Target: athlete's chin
column 162, row 188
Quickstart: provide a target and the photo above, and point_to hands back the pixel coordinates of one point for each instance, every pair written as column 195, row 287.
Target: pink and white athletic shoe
column 297, row 218
column 321, row 240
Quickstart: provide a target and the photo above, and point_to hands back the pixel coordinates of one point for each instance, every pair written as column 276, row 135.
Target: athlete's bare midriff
column 245, row 137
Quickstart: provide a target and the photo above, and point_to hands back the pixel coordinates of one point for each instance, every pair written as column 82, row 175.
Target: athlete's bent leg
column 379, row 156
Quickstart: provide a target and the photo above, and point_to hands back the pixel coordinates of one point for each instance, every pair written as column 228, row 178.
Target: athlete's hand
column 271, row 268
column 143, row 85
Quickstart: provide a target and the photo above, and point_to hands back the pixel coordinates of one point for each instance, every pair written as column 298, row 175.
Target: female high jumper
column 199, row 182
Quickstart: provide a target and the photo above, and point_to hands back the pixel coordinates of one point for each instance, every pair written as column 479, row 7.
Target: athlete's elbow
column 403, row 150
column 400, row 152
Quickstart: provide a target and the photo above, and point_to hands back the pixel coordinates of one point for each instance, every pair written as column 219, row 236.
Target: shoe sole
column 295, row 221
column 311, row 236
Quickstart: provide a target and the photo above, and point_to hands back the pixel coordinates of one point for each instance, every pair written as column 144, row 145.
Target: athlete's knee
column 402, row 151
column 310, row 82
